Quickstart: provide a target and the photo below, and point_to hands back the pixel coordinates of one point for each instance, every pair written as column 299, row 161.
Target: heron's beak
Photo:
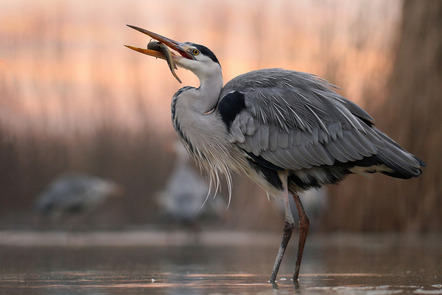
column 153, row 53
column 160, row 50
column 174, row 45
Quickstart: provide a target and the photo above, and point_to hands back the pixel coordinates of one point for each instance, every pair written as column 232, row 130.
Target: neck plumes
column 198, row 126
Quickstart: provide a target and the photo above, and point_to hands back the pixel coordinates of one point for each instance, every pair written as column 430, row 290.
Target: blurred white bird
column 185, row 198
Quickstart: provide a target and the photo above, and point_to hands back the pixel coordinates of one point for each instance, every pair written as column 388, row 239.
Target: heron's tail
column 402, row 163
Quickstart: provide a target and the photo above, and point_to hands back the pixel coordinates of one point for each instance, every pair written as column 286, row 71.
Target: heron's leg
column 304, row 224
column 289, row 224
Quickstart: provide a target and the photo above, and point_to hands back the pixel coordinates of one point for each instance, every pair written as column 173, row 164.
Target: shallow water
column 220, row 263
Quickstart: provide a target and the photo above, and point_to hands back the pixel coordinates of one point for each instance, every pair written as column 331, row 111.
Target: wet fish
column 158, row 46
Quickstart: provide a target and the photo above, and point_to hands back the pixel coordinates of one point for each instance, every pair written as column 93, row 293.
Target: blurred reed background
column 72, row 98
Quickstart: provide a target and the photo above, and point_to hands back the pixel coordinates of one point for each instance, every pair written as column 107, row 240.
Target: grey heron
column 288, row 131
column 75, row 192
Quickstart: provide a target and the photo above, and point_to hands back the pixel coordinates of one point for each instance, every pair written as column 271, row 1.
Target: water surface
column 333, row 264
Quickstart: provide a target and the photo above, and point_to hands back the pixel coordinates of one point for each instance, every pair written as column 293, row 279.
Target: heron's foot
column 296, row 273
column 296, row 277
column 273, row 278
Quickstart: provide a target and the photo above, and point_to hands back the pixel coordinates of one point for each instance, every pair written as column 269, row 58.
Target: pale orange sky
column 63, row 65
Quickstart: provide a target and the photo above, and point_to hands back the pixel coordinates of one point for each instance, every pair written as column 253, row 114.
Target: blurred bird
column 185, row 198
column 288, row 131
column 72, row 193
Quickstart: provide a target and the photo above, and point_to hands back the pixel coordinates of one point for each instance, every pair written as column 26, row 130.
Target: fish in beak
column 160, row 49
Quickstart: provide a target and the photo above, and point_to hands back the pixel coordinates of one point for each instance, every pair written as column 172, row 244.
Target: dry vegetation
column 73, row 98
column 412, row 116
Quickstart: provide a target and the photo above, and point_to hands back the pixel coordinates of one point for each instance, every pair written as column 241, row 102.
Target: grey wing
column 295, row 120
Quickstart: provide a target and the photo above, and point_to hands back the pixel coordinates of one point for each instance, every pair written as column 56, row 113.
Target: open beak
column 160, row 49
column 174, row 45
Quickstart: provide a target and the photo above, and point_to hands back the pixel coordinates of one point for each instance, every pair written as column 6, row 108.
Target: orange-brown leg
column 304, row 225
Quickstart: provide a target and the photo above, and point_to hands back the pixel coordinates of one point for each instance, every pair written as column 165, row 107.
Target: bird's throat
column 209, row 92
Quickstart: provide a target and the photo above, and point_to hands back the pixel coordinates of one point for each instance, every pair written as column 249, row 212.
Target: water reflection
column 333, row 265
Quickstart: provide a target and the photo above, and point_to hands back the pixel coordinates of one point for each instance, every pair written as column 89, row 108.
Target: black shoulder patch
column 207, row 52
column 230, row 106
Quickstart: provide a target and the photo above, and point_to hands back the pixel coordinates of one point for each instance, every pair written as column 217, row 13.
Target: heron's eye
column 195, row 51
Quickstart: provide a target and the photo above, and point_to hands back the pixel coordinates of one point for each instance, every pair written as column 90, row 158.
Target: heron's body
column 288, row 131
column 273, row 124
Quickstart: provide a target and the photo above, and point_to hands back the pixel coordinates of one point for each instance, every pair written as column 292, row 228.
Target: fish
column 158, row 46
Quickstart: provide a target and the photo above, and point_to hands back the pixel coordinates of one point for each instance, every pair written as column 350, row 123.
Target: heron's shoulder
column 274, row 77
column 289, row 90
column 263, row 94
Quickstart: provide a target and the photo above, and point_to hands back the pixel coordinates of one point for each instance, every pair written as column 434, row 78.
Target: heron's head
column 194, row 57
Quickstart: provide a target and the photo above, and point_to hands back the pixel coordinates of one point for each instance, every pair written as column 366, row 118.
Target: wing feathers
column 295, row 121
column 363, row 150
column 334, row 150
column 310, row 156
column 323, row 156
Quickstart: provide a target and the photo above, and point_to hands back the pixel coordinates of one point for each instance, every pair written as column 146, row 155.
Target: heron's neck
column 209, row 91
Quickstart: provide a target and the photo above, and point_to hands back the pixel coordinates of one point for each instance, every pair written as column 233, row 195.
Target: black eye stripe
column 206, row 51
column 202, row 50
